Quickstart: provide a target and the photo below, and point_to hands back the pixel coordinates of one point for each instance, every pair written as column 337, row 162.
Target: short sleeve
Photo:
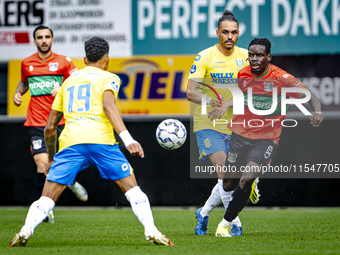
column 291, row 82
column 69, row 68
column 58, row 102
column 23, row 74
column 239, row 79
column 243, row 80
column 198, row 68
column 112, row 82
column 245, row 57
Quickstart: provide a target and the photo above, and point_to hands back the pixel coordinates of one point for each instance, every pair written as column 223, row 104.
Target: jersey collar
column 44, row 59
column 263, row 74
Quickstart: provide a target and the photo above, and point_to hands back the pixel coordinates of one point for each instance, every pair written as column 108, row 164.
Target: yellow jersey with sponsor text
column 81, row 101
column 213, row 68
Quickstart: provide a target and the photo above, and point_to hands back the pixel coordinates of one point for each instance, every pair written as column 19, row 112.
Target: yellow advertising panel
column 150, row 85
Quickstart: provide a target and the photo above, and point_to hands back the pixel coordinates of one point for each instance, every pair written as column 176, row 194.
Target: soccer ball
column 171, row 134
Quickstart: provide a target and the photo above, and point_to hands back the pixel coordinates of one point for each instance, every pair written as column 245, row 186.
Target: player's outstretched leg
column 202, row 214
column 36, row 214
column 79, row 191
column 141, row 208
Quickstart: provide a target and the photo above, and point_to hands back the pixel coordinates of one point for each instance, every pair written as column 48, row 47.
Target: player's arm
column 21, row 90
column 314, row 101
column 193, row 95
column 50, row 134
column 316, row 117
column 112, row 113
column 219, row 111
column 192, row 92
column 197, row 73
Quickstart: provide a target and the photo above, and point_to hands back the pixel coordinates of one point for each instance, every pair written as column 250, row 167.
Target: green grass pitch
column 286, row 231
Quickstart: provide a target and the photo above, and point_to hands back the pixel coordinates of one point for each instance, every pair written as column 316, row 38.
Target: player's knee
column 245, row 183
column 41, row 167
column 229, row 185
column 220, row 163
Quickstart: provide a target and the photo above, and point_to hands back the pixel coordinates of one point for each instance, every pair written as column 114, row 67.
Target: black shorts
column 37, row 140
column 243, row 150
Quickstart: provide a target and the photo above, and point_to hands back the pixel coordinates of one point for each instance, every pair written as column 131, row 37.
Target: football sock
column 141, row 207
column 224, row 223
column 237, row 222
column 239, row 201
column 40, row 181
column 213, row 201
column 226, row 196
column 38, row 212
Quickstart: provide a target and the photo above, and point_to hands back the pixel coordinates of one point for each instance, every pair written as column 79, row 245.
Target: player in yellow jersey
column 213, row 66
column 87, row 101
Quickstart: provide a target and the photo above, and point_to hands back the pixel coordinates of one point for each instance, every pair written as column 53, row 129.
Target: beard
column 44, row 51
column 233, row 42
column 228, row 47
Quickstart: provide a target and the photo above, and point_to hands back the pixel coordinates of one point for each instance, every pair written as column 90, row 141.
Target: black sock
column 239, row 201
column 40, row 181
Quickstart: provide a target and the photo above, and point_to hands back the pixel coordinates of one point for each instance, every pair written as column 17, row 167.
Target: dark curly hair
column 227, row 15
column 261, row 41
column 96, row 48
column 41, row 27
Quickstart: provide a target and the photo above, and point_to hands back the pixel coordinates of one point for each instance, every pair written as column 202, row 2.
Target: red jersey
column 42, row 75
column 255, row 126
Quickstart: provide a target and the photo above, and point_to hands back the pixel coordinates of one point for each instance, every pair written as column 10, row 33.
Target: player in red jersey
column 43, row 73
column 256, row 136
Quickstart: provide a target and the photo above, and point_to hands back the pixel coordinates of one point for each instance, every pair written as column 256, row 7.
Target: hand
column 55, row 90
column 17, row 99
column 217, row 112
column 316, row 119
column 48, row 166
column 136, row 149
column 212, row 103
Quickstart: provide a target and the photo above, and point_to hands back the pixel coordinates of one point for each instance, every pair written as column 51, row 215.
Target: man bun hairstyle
column 261, row 41
column 229, row 16
column 41, row 27
column 96, row 48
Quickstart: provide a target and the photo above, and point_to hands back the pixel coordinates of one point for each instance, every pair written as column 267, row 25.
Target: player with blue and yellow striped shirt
column 88, row 102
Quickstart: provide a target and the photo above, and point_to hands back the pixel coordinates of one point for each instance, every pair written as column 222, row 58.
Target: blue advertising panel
column 188, row 26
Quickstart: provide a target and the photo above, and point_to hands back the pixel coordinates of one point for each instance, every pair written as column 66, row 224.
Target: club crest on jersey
column 268, row 86
column 244, row 83
column 54, row 67
column 198, row 57
column 193, row 69
column 31, row 68
column 239, row 63
column 285, row 75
